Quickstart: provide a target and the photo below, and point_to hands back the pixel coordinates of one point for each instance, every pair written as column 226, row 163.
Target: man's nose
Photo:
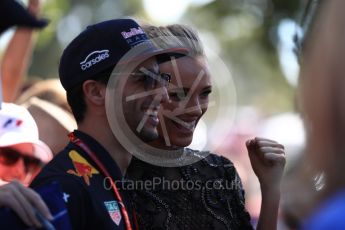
column 162, row 90
column 165, row 95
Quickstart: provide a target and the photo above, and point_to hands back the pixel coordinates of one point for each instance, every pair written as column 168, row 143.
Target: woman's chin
column 181, row 142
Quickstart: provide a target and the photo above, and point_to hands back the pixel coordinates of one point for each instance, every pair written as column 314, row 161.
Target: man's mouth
column 185, row 126
column 151, row 112
column 152, row 115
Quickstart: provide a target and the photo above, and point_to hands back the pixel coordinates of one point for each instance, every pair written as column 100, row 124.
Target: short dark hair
column 75, row 95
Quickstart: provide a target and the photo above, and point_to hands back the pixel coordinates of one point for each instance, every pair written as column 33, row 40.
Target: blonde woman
column 203, row 206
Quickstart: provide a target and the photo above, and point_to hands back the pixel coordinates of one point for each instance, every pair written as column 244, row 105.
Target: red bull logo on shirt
column 82, row 167
column 114, row 211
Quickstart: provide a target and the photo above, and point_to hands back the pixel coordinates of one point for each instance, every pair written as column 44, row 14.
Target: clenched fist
column 268, row 160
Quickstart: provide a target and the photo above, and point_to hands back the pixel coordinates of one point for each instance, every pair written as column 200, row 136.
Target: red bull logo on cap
column 82, row 168
column 134, row 36
column 132, row 32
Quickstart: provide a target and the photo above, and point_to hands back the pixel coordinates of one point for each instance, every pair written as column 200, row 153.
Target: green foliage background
column 251, row 53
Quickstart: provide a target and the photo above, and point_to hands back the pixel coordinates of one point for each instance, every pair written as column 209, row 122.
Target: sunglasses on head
column 9, row 156
column 153, row 80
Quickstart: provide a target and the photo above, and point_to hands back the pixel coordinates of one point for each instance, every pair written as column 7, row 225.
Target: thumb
column 250, row 144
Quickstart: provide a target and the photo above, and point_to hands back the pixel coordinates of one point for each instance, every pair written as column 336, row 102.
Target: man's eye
column 140, row 77
column 177, row 96
column 173, row 96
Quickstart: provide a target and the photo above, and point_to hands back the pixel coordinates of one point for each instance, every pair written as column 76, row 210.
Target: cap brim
column 41, row 150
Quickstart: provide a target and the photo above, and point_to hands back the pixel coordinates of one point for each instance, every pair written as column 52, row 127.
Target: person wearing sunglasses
column 13, row 194
column 17, row 161
column 22, row 156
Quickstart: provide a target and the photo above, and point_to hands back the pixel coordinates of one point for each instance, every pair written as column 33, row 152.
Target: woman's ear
column 94, row 92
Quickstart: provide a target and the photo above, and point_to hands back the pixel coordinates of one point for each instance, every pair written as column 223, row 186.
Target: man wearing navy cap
column 94, row 156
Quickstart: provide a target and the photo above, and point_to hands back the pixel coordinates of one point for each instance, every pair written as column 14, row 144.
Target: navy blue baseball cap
column 105, row 45
column 13, row 13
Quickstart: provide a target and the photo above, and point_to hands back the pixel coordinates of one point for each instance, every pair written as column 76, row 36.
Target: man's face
column 142, row 96
column 17, row 162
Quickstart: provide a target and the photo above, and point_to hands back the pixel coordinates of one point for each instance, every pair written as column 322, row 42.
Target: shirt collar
column 101, row 153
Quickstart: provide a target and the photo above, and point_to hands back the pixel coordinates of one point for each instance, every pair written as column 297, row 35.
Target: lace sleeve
column 237, row 202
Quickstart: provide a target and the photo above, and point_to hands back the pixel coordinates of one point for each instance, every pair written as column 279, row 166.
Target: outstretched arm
column 17, row 55
column 268, row 160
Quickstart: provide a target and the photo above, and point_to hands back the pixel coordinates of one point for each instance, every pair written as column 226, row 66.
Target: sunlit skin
column 189, row 97
column 143, row 107
column 18, row 170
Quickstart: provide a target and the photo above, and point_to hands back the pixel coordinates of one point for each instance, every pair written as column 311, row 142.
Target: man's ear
column 94, row 92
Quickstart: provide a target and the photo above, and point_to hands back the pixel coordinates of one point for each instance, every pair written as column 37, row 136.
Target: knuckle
column 6, row 197
column 35, row 196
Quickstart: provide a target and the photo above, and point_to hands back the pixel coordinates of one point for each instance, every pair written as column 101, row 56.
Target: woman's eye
column 206, row 93
column 177, row 96
column 173, row 95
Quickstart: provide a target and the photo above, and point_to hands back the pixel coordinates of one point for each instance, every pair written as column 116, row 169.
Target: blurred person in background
column 19, row 50
column 294, row 205
column 14, row 14
column 13, row 194
column 47, row 103
column 323, row 109
column 203, row 208
column 22, row 154
column 49, row 90
column 45, row 99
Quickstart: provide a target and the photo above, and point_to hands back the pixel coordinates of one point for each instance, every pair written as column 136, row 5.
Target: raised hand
column 268, row 160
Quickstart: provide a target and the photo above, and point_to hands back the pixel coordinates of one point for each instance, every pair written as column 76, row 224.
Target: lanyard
column 104, row 171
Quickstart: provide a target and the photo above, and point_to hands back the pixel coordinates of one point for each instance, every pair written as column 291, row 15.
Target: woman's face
column 189, row 95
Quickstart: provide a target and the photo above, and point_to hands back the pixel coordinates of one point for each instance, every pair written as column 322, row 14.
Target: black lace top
column 205, row 195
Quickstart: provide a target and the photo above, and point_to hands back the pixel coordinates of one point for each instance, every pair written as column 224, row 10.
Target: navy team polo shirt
column 90, row 201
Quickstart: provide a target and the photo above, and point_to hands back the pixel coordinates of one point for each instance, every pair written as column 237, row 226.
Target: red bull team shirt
column 90, row 201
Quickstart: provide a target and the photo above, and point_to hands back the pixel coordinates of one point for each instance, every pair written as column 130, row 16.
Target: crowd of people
column 113, row 132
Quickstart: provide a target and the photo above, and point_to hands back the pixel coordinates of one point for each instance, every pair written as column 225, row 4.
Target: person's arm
column 269, row 209
column 268, row 160
column 23, row 201
column 16, row 57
